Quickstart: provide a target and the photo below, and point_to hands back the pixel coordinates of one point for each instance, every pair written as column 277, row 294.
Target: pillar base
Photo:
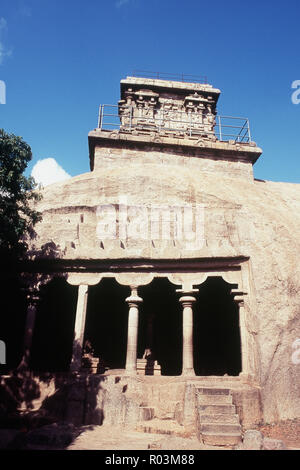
column 188, row 373
column 130, row 372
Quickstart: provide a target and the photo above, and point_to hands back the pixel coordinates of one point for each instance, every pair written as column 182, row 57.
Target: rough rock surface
column 253, row 440
column 287, row 431
column 273, row 444
column 256, row 219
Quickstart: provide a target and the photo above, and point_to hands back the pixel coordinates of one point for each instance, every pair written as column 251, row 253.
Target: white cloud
column 48, row 171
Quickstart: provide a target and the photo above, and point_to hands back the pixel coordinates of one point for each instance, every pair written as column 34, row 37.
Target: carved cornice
column 228, row 151
column 201, row 266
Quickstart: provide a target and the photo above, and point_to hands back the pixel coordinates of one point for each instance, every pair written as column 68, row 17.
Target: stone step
column 212, row 391
column 223, row 428
column 214, row 399
column 146, row 413
column 219, row 439
column 218, row 422
column 163, row 426
column 219, row 418
column 216, row 409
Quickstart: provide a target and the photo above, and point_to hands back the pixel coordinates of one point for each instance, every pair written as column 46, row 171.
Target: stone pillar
column 33, row 298
column 238, row 298
column 79, row 327
column 133, row 319
column 187, row 330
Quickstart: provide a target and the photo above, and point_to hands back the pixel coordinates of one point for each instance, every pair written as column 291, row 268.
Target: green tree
column 17, row 195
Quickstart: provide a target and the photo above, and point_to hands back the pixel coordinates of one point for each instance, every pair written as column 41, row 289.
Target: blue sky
column 61, row 59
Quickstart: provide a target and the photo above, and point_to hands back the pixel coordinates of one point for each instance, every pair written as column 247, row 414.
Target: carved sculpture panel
column 147, row 111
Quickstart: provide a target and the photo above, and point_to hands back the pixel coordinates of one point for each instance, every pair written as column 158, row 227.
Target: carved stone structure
column 168, row 108
column 169, row 206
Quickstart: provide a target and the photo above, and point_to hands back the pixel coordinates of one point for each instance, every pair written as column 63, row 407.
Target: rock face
column 273, row 444
column 253, row 440
column 256, row 219
column 237, row 217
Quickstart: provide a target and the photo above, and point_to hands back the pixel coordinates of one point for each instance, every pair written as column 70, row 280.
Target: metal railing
column 233, row 128
column 178, row 77
column 224, row 128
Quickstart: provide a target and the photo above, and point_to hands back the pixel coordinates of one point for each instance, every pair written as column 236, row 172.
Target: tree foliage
column 17, row 194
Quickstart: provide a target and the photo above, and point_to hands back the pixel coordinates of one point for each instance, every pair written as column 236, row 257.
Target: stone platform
column 149, row 403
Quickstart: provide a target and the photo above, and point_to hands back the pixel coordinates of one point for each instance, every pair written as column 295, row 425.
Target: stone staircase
column 206, row 411
column 218, row 423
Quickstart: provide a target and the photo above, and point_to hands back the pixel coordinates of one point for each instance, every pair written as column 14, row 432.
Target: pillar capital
column 133, row 300
column 185, row 292
column 187, row 298
column 238, row 296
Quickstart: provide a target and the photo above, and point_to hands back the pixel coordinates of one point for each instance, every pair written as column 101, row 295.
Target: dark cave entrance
column 106, row 322
column 216, row 332
column 13, row 311
column 161, row 318
column 217, row 343
column 54, row 327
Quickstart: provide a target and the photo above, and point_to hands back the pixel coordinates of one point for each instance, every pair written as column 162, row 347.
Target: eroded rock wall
column 242, row 217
